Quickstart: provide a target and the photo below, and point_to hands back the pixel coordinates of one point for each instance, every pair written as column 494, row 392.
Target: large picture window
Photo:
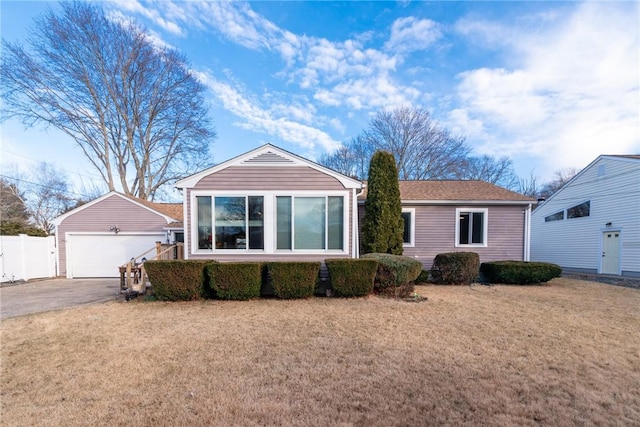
column 310, row 223
column 471, row 227
column 270, row 222
column 237, row 222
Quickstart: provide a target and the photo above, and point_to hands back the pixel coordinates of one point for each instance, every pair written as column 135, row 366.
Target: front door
column 610, row 252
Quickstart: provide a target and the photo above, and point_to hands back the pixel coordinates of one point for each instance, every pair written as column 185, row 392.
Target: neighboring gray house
column 96, row 238
column 454, row 216
column 592, row 224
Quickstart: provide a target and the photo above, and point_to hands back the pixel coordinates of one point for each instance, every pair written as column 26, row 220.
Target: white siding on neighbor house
column 612, row 185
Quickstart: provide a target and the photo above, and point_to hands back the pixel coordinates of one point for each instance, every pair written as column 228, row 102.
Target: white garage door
column 100, row 255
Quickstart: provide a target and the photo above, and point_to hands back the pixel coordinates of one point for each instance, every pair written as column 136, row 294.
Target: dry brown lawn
column 567, row 353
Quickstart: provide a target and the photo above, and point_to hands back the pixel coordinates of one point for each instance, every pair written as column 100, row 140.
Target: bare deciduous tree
column 12, row 204
column 48, row 195
column 134, row 108
column 422, row 148
column 498, row 171
column 560, row 178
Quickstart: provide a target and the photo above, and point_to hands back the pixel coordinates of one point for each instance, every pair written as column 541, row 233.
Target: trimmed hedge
column 395, row 274
column 352, row 277
column 519, row 272
column 424, row 277
column 456, row 268
column 235, row 280
column 178, row 280
column 293, row 279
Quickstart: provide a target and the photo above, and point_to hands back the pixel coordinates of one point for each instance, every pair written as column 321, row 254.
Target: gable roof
column 456, row 192
column 632, row 158
column 171, row 212
column 268, row 155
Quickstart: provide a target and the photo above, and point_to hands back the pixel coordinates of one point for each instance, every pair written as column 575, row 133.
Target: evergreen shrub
column 382, row 225
column 424, row 277
column 178, row 280
column 519, row 272
column 395, row 274
column 456, row 268
column 293, row 279
column 352, row 277
column 235, row 280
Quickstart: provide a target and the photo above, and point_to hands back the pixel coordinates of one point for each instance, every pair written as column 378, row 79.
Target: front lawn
column 563, row 354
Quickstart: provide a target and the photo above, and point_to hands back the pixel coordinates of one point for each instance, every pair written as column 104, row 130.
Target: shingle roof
column 173, row 210
column 455, row 190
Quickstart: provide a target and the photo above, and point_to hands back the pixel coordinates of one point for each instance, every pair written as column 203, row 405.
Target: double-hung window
column 471, row 227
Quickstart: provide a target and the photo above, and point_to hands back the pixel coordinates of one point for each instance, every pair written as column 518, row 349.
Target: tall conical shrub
column 382, row 226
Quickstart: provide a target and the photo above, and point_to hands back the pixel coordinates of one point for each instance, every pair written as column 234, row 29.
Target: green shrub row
column 455, row 268
column 186, row 280
column 395, row 275
column 183, row 280
column 519, row 272
column 235, row 280
column 189, row 280
column 293, row 279
column 352, row 277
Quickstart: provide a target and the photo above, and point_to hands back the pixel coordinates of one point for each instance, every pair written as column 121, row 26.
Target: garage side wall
column 100, row 217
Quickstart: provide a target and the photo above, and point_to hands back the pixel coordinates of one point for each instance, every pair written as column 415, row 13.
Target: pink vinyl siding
column 252, row 180
column 271, row 178
column 100, row 217
column 435, row 231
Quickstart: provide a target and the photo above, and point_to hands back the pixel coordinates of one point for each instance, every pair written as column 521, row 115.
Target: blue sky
column 550, row 84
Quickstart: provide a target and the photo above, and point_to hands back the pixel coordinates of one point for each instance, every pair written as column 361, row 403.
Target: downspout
column 186, row 248
column 527, row 234
column 355, row 234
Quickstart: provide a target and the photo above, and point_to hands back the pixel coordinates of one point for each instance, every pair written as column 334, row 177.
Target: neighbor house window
column 310, row 223
column 409, row 227
column 558, row 216
column 471, row 227
column 578, row 211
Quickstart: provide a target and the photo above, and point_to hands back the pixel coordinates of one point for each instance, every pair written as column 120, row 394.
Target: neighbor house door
column 610, row 252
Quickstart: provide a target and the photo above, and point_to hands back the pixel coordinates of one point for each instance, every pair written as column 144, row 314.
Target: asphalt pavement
column 54, row 294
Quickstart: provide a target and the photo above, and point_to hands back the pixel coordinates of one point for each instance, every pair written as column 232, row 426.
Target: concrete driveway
column 55, row 294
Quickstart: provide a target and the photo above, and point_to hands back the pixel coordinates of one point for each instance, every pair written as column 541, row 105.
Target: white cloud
column 151, row 14
column 271, row 122
column 411, row 34
column 572, row 93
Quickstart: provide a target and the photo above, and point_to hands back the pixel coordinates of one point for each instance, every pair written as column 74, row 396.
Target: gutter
column 526, row 256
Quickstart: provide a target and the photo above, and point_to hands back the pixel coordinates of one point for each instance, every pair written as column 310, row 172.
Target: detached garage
column 94, row 239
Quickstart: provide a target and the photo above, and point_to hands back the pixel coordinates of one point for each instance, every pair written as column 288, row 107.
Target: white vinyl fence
column 25, row 257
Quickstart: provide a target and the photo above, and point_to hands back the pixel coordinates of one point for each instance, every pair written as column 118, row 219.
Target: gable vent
column 268, row 158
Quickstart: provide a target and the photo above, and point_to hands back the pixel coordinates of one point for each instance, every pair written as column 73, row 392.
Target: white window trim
column 412, row 228
column 270, row 222
column 485, row 227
